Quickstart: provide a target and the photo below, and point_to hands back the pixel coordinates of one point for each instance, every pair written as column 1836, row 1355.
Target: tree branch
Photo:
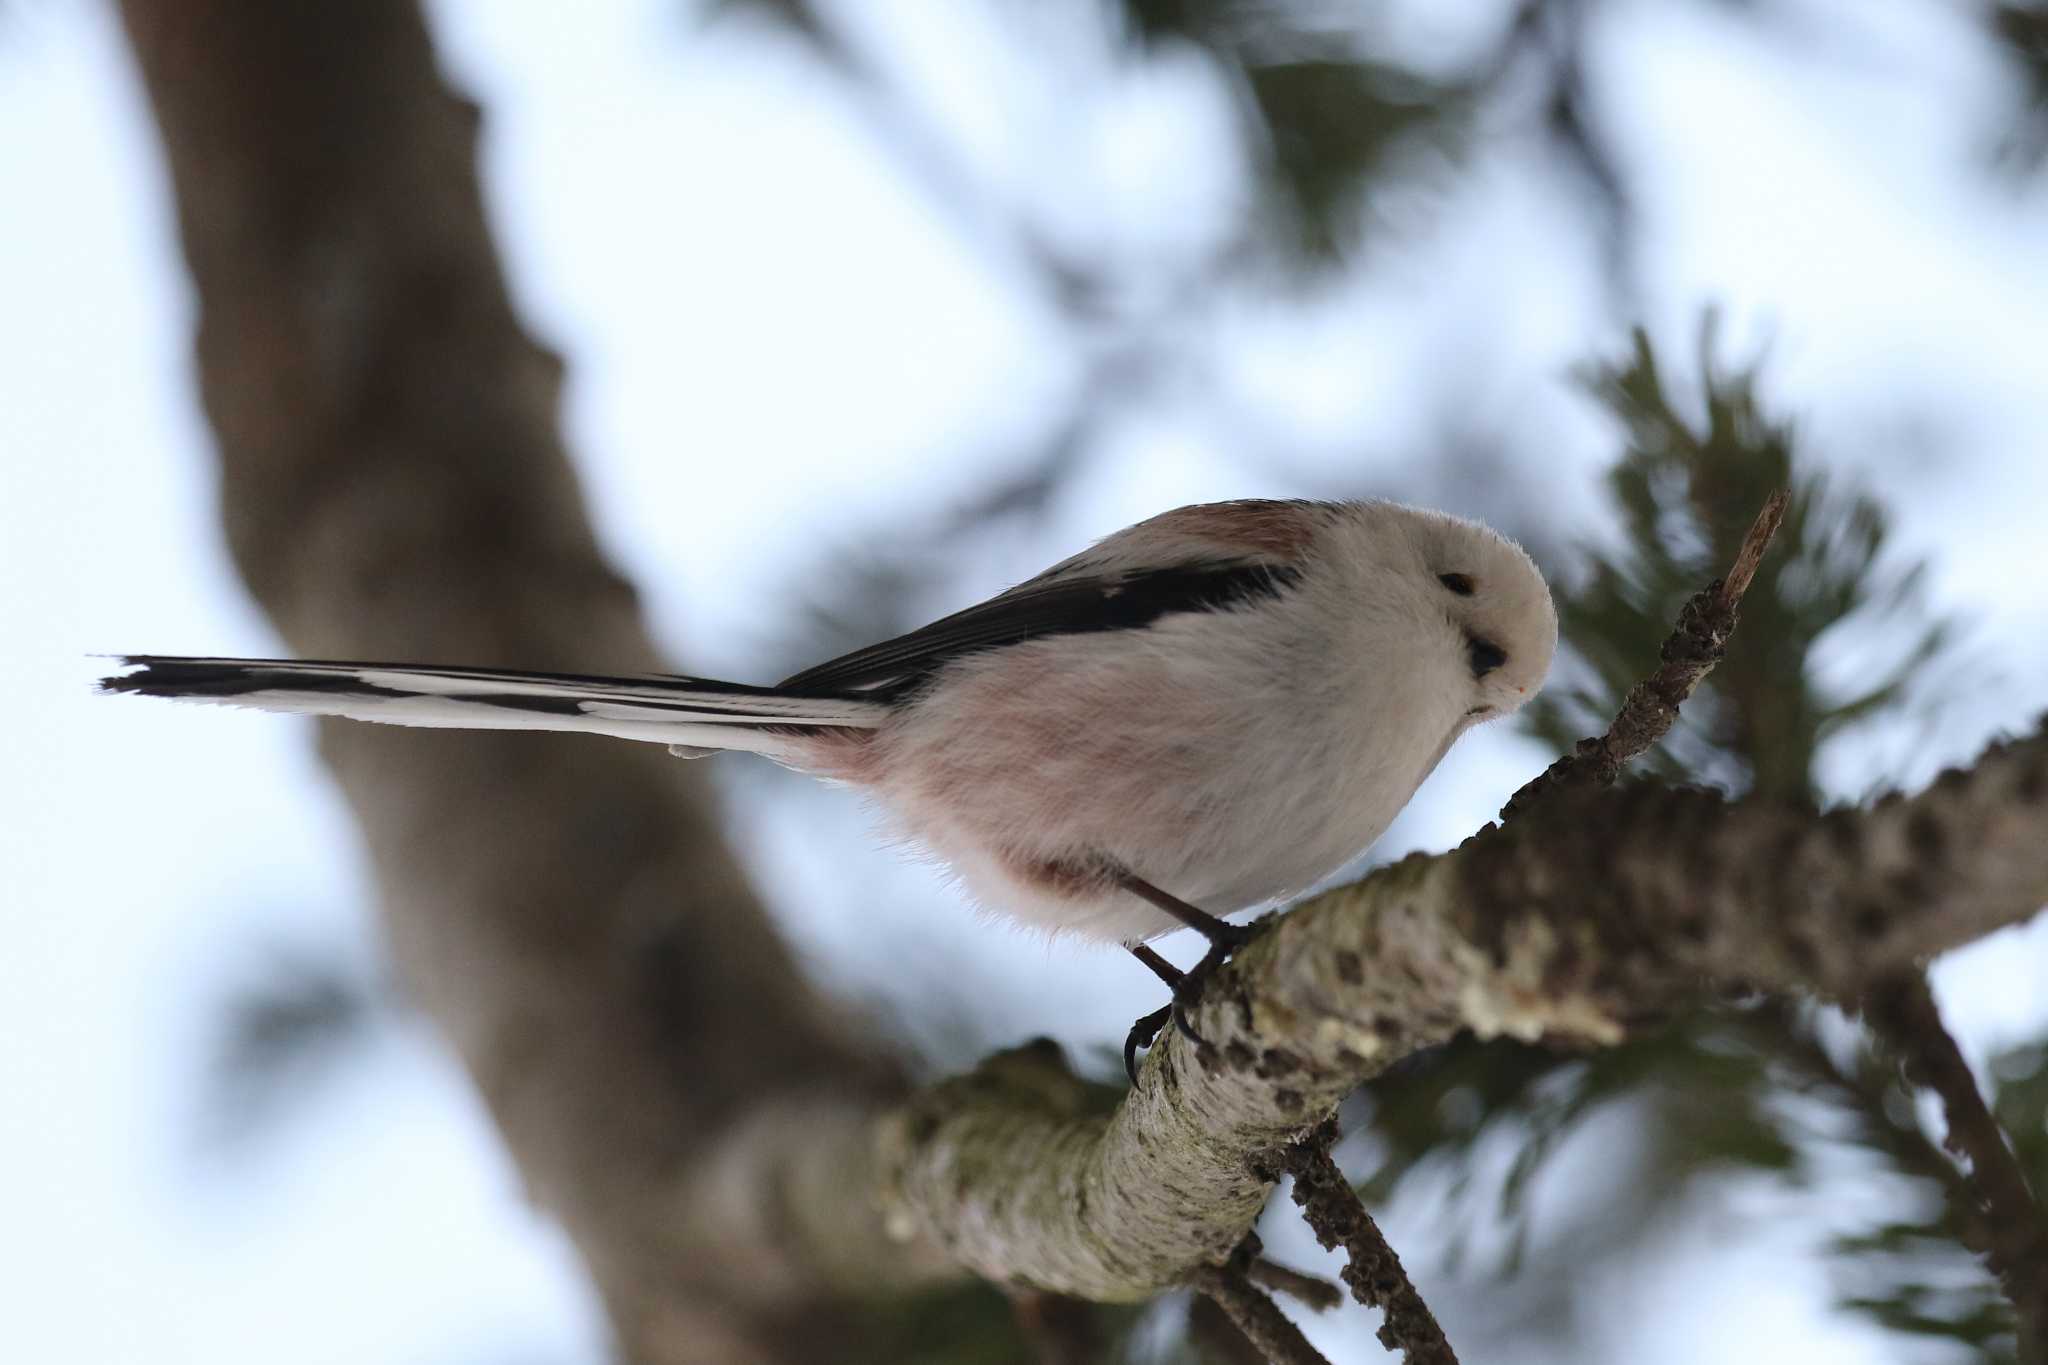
column 1311, row 1291
column 1374, row 1273
column 1229, row 1286
column 1997, row 1213
column 1651, row 707
column 1597, row 908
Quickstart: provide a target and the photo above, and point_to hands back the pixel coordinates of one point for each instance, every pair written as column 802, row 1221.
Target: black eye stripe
column 1485, row 655
column 1458, row 583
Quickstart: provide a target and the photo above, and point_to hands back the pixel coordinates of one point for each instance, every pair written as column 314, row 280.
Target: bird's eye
column 1485, row 655
column 1458, row 583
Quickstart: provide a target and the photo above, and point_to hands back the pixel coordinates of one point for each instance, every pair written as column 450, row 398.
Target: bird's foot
column 1141, row 1035
column 1187, row 992
column 1224, row 939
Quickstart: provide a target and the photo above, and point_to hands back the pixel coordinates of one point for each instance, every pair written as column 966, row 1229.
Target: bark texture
column 1601, row 908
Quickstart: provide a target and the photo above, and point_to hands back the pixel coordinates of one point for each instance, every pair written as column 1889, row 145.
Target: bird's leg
column 1147, row 1028
column 1217, row 931
column 1158, row 965
column 1224, row 938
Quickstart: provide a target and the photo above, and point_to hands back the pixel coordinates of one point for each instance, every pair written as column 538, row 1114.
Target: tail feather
column 698, row 713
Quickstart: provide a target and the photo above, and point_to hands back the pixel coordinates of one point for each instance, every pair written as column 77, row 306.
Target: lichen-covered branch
column 1234, row 1290
column 1278, row 1340
column 1593, row 910
column 1373, row 1270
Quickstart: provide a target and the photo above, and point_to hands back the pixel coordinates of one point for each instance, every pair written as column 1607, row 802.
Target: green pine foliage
column 1328, row 127
column 1749, row 1089
column 1323, row 123
column 1686, row 491
column 1911, row 1272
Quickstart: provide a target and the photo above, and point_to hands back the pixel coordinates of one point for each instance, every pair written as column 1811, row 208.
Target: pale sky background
column 778, row 342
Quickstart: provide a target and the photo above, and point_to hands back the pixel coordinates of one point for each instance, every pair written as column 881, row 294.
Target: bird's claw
column 1141, row 1035
column 1187, row 993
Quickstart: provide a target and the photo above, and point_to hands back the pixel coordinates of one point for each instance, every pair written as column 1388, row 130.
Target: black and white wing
column 1070, row 599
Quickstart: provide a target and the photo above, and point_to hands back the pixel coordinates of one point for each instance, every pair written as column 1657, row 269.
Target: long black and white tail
column 690, row 713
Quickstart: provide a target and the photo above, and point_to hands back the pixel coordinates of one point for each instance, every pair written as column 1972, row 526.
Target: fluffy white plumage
column 1227, row 701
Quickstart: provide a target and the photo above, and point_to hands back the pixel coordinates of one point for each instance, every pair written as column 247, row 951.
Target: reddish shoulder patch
column 1259, row 526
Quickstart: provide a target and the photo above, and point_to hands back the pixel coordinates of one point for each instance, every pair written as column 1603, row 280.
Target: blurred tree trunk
column 393, row 484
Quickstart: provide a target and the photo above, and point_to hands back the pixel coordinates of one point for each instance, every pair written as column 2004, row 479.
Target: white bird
column 1214, row 708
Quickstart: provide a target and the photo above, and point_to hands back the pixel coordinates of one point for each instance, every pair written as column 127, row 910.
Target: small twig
column 1311, row 1291
column 1229, row 1286
column 1694, row 646
column 2000, row 1218
column 1374, row 1274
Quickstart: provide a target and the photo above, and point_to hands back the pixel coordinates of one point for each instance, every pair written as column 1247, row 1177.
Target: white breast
column 1230, row 758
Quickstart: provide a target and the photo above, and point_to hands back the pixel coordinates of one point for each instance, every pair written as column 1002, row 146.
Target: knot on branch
column 1704, row 626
